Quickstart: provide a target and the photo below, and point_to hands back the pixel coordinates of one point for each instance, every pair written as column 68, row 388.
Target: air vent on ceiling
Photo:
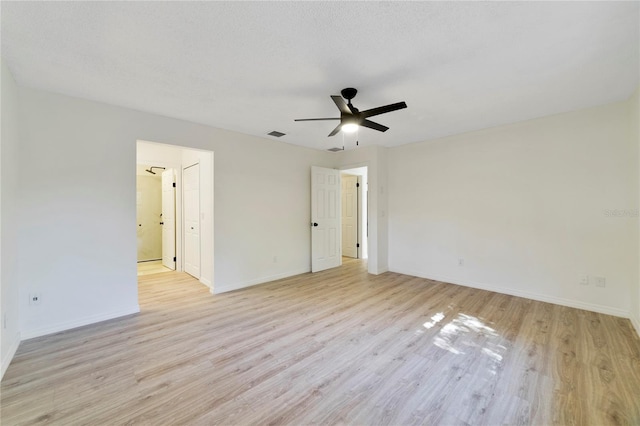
column 276, row 134
column 336, row 149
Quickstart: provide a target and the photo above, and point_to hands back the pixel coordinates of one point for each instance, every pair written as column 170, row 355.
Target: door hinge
column 174, row 184
column 174, row 258
column 358, row 245
column 357, row 184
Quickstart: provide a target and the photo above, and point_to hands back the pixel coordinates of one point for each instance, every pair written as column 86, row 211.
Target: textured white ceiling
column 253, row 67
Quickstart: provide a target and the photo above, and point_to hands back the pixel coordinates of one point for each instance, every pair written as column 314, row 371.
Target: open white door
column 168, row 219
column 325, row 219
column 191, row 215
column 350, row 216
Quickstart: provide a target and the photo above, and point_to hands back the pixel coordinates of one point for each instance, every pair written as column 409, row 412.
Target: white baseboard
column 205, row 282
column 635, row 321
column 219, row 288
column 6, row 360
column 527, row 295
column 63, row 326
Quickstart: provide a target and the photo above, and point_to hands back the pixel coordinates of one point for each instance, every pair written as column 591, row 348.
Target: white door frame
column 169, row 251
column 361, row 218
column 184, row 223
column 355, row 179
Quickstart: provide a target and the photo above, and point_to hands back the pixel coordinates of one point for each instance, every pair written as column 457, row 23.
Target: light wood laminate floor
column 335, row 347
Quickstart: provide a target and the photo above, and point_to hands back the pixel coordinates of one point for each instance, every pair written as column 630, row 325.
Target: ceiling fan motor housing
column 349, row 93
column 350, row 118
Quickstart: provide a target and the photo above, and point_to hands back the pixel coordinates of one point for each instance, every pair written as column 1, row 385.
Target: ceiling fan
column 351, row 117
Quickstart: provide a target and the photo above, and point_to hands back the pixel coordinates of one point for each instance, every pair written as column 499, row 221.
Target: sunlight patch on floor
column 434, row 320
column 466, row 333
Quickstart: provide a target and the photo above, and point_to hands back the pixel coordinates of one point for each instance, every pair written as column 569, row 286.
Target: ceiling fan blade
column 336, row 130
column 383, row 109
column 375, row 126
column 341, row 104
column 315, row 119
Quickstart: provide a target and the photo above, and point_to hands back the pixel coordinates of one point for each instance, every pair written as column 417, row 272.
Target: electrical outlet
column 600, row 281
column 460, row 262
column 584, row 280
column 35, row 298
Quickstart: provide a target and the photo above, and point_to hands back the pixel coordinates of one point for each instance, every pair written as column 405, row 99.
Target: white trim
column 635, row 321
column 206, row 282
column 63, row 326
column 527, row 295
column 10, row 354
column 230, row 287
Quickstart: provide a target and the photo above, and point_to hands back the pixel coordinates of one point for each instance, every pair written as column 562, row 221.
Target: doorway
column 155, row 219
column 355, row 212
column 349, row 203
column 338, row 228
column 187, row 179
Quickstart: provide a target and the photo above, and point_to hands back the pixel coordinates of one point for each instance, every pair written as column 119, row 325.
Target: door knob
column 315, row 224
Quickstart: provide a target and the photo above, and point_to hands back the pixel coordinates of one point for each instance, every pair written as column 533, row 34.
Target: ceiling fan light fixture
column 351, row 118
column 349, row 127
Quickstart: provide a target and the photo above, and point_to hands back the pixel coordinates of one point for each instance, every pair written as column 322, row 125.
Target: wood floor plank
column 335, row 347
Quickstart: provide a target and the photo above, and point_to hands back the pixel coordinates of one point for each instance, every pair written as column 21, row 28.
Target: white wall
column 9, row 294
column 157, row 154
column 526, row 206
column 634, row 118
column 262, row 207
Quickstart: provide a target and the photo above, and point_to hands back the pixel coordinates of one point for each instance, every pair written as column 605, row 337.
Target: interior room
column 353, row 213
column 149, row 219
